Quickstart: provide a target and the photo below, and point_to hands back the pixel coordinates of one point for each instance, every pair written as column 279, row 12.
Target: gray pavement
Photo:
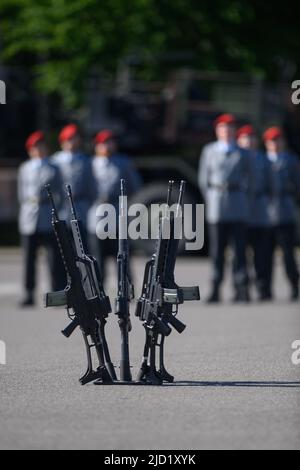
column 236, row 387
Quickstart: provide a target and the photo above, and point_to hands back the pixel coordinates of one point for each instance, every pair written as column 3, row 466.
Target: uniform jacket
column 260, row 203
column 76, row 170
column 35, row 210
column 285, row 189
column 226, row 179
column 108, row 172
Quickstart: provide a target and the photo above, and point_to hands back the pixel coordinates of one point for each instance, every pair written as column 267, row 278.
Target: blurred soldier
column 259, row 231
column 285, row 188
column 35, row 213
column 225, row 179
column 76, row 170
column 109, row 167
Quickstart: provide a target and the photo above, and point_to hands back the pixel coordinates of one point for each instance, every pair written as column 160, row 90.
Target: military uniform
column 35, row 219
column 259, row 232
column 285, row 190
column 108, row 171
column 77, row 171
column 226, row 179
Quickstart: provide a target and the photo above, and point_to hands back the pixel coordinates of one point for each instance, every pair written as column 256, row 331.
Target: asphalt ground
column 236, row 386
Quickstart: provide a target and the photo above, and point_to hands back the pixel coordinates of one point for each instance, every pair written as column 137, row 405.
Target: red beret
column 104, row 136
column 245, row 130
column 68, row 133
column 225, row 119
column 34, row 139
column 273, row 133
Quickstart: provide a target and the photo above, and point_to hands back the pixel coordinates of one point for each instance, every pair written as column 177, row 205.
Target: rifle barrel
column 71, row 200
column 181, row 196
column 51, row 199
column 170, row 190
column 123, row 187
column 123, row 191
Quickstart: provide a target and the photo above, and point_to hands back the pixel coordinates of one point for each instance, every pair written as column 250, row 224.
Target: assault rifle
column 159, row 304
column 84, row 295
column 125, row 290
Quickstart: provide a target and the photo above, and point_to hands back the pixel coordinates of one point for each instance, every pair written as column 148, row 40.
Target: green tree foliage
column 62, row 40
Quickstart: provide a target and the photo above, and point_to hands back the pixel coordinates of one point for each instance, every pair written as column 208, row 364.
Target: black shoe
column 242, row 295
column 295, row 294
column 28, row 301
column 265, row 296
column 214, row 298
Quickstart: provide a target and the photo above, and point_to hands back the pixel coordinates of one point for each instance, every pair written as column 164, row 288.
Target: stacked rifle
column 88, row 306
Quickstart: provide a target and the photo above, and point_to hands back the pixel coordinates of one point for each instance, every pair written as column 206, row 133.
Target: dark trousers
column 102, row 250
column 285, row 237
column 259, row 239
column 223, row 235
column 31, row 244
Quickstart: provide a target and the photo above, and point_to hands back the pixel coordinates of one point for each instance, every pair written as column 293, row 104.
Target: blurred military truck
column 163, row 125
